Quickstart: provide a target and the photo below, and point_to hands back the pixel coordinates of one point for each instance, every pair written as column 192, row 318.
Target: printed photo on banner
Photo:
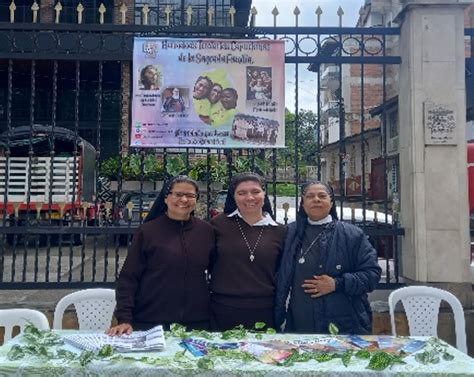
column 150, row 77
column 208, row 93
column 175, row 100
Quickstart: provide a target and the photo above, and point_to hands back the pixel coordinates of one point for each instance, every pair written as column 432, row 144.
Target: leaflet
column 138, row 341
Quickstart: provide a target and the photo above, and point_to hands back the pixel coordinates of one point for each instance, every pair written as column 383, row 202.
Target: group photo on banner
column 210, row 93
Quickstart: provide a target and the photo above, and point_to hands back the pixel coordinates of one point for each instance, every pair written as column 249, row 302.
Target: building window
column 393, row 124
column 178, row 16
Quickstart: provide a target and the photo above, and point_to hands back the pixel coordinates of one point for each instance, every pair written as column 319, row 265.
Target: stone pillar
column 433, row 173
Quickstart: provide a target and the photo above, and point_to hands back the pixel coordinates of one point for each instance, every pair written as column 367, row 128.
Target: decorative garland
column 39, row 342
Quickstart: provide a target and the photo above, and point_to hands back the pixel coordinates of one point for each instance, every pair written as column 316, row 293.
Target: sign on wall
column 208, row 93
column 440, row 124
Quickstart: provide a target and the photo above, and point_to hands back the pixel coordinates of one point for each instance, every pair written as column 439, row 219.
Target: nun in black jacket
column 326, row 270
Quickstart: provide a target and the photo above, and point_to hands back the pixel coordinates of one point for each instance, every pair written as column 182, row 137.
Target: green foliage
column 178, row 331
column 346, row 357
column 307, row 142
column 238, row 332
column 333, row 330
column 38, row 343
column 176, row 165
column 362, row 354
column 151, row 167
column 205, row 363
column 434, row 352
column 381, row 360
column 283, row 189
column 132, row 167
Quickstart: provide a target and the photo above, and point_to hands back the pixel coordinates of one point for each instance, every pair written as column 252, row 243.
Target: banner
column 208, row 93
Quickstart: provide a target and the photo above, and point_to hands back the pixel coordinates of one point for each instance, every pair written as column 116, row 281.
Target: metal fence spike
column 340, row 13
column 145, row 11
column 80, row 10
column 275, row 13
column 210, row 14
column 102, row 11
column 123, row 10
column 35, row 8
column 232, row 12
column 57, row 8
column 318, row 12
column 189, row 13
column 168, row 11
column 296, row 12
column 12, row 9
column 253, row 19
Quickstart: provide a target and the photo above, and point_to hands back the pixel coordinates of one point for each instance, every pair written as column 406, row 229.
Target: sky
column 307, row 80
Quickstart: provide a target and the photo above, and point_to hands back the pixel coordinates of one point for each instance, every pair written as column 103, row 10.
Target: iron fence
column 74, row 190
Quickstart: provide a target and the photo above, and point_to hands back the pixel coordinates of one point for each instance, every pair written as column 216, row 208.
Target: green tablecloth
column 461, row 365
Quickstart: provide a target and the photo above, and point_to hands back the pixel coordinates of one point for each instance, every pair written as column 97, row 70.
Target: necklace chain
column 251, row 250
column 302, row 259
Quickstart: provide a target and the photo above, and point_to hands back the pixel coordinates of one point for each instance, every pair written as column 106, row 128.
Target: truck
column 45, row 188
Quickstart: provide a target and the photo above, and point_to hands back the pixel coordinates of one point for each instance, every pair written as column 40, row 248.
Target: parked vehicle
column 45, row 189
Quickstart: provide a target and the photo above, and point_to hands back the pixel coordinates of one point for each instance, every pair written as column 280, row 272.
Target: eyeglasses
column 179, row 195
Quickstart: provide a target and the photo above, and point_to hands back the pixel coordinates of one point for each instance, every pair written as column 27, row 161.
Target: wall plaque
column 440, row 124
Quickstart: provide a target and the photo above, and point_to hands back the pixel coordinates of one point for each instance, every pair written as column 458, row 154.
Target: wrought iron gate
column 73, row 191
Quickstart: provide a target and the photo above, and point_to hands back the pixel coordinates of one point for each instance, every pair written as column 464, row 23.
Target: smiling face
column 201, row 88
column 229, row 99
column 215, row 94
column 317, row 202
column 249, row 197
column 180, row 205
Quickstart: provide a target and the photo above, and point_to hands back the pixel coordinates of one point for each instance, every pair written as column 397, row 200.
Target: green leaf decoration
column 346, row 357
column 382, row 360
column 205, row 363
column 362, row 354
column 238, row 332
column 447, row 356
column 333, row 329
column 106, row 351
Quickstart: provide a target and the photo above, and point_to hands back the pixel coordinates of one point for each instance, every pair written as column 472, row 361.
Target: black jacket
column 347, row 256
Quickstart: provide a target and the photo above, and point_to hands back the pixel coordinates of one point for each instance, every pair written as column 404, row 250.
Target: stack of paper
column 138, row 341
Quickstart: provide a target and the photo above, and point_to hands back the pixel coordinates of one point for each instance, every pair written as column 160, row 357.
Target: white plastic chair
column 94, row 308
column 10, row 318
column 421, row 306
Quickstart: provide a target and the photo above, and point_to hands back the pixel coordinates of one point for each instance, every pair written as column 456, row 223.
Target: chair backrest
column 10, row 318
column 421, row 306
column 94, row 308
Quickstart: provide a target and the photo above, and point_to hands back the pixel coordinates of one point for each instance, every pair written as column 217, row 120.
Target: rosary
column 301, row 259
column 252, row 251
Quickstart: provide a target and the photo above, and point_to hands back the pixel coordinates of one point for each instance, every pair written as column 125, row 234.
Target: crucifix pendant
column 252, row 257
column 301, row 260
